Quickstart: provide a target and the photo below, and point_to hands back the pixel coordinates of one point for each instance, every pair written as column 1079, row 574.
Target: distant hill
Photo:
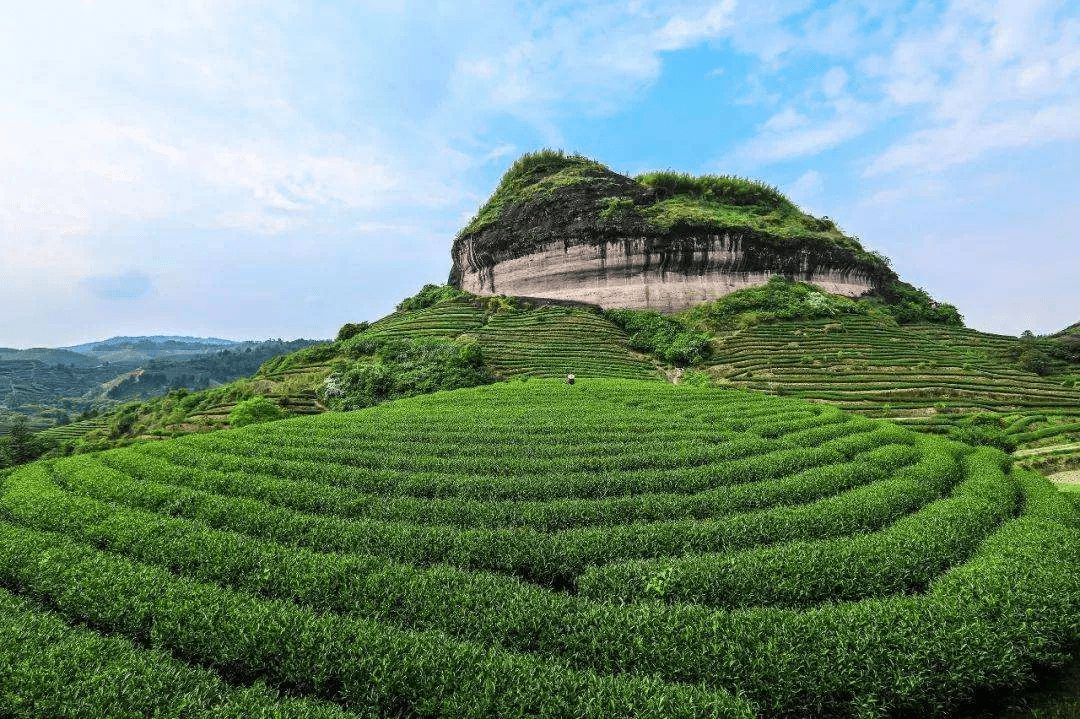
column 51, row 386
column 124, row 349
column 48, row 355
column 152, row 341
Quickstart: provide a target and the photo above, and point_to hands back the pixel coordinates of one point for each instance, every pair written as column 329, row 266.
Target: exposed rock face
column 560, row 243
column 642, row 273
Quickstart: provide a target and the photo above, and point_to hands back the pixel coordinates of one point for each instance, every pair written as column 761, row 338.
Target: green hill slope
column 864, row 356
column 615, row 548
column 511, row 338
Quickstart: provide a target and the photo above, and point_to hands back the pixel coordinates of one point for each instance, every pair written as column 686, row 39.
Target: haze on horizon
column 241, row 169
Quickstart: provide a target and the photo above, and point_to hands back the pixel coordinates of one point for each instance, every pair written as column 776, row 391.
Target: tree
column 350, row 330
column 21, row 445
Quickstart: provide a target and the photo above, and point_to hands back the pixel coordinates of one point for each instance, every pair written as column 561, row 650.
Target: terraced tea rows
column 543, row 342
column 65, row 432
column 615, row 548
column 540, row 342
column 930, row 377
column 863, row 364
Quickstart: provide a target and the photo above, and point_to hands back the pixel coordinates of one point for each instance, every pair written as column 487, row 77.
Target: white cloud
column 806, row 187
column 790, row 135
column 990, row 77
column 787, row 119
column 591, row 58
column 941, row 147
column 680, row 32
column 982, row 76
column 834, row 81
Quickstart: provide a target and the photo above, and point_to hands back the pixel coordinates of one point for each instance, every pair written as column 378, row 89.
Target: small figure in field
column 569, row 379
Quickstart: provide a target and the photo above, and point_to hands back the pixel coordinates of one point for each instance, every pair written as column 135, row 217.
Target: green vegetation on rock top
column 534, row 174
column 663, row 202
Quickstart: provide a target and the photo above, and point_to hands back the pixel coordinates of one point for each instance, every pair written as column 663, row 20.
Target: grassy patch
column 533, row 174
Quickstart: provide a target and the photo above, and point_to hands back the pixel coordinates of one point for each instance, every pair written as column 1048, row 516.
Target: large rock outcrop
column 569, row 228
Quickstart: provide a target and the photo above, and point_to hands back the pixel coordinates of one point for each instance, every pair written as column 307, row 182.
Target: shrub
column 22, row 445
column 254, row 411
column 666, row 337
column 351, row 329
column 1034, row 360
column 779, row 299
column 428, row 296
column 393, row 368
column 616, row 208
column 910, row 305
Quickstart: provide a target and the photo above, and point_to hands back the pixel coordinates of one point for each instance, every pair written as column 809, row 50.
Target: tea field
column 930, row 377
column 528, row 548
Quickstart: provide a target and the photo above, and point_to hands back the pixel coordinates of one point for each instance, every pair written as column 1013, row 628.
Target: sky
column 275, row 169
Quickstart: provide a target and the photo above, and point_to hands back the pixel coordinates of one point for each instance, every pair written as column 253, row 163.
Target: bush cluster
column 387, row 368
column 21, row 444
column 779, row 299
column 785, row 299
column 666, row 337
column 253, row 411
column 350, row 330
column 911, row 305
column 428, row 296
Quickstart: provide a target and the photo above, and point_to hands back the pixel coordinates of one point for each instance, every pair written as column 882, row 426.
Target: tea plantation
column 616, row 548
column 933, row 378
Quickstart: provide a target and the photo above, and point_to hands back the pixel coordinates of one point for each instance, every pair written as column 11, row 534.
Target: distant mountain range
column 49, row 384
column 151, row 341
column 120, row 349
column 126, row 349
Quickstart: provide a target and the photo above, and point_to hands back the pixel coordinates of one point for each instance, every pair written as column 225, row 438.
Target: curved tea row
column 614, row 548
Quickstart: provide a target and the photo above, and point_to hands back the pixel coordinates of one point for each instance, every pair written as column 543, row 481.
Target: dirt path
column 1070, row 477
column 1047, row 449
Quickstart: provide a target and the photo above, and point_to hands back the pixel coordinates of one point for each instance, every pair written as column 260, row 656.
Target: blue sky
column 275, row 169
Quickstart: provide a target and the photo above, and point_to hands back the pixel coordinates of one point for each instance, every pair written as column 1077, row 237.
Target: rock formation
column 568, row 228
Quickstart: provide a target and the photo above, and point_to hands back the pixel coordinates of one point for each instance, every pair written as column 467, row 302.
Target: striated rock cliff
column 566, row 227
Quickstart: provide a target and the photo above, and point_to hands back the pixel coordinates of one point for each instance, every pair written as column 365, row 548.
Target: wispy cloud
column 126, row 286
column 982, row 76
column 789, row 134
column 229, row 142
column 994, row 77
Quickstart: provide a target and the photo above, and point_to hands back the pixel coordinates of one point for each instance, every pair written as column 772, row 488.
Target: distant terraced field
column 74, row 430
column 615, row 548
column 926, row 376
column 865, row 365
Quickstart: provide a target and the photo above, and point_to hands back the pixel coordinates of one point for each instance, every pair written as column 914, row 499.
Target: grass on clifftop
column 533, row 174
